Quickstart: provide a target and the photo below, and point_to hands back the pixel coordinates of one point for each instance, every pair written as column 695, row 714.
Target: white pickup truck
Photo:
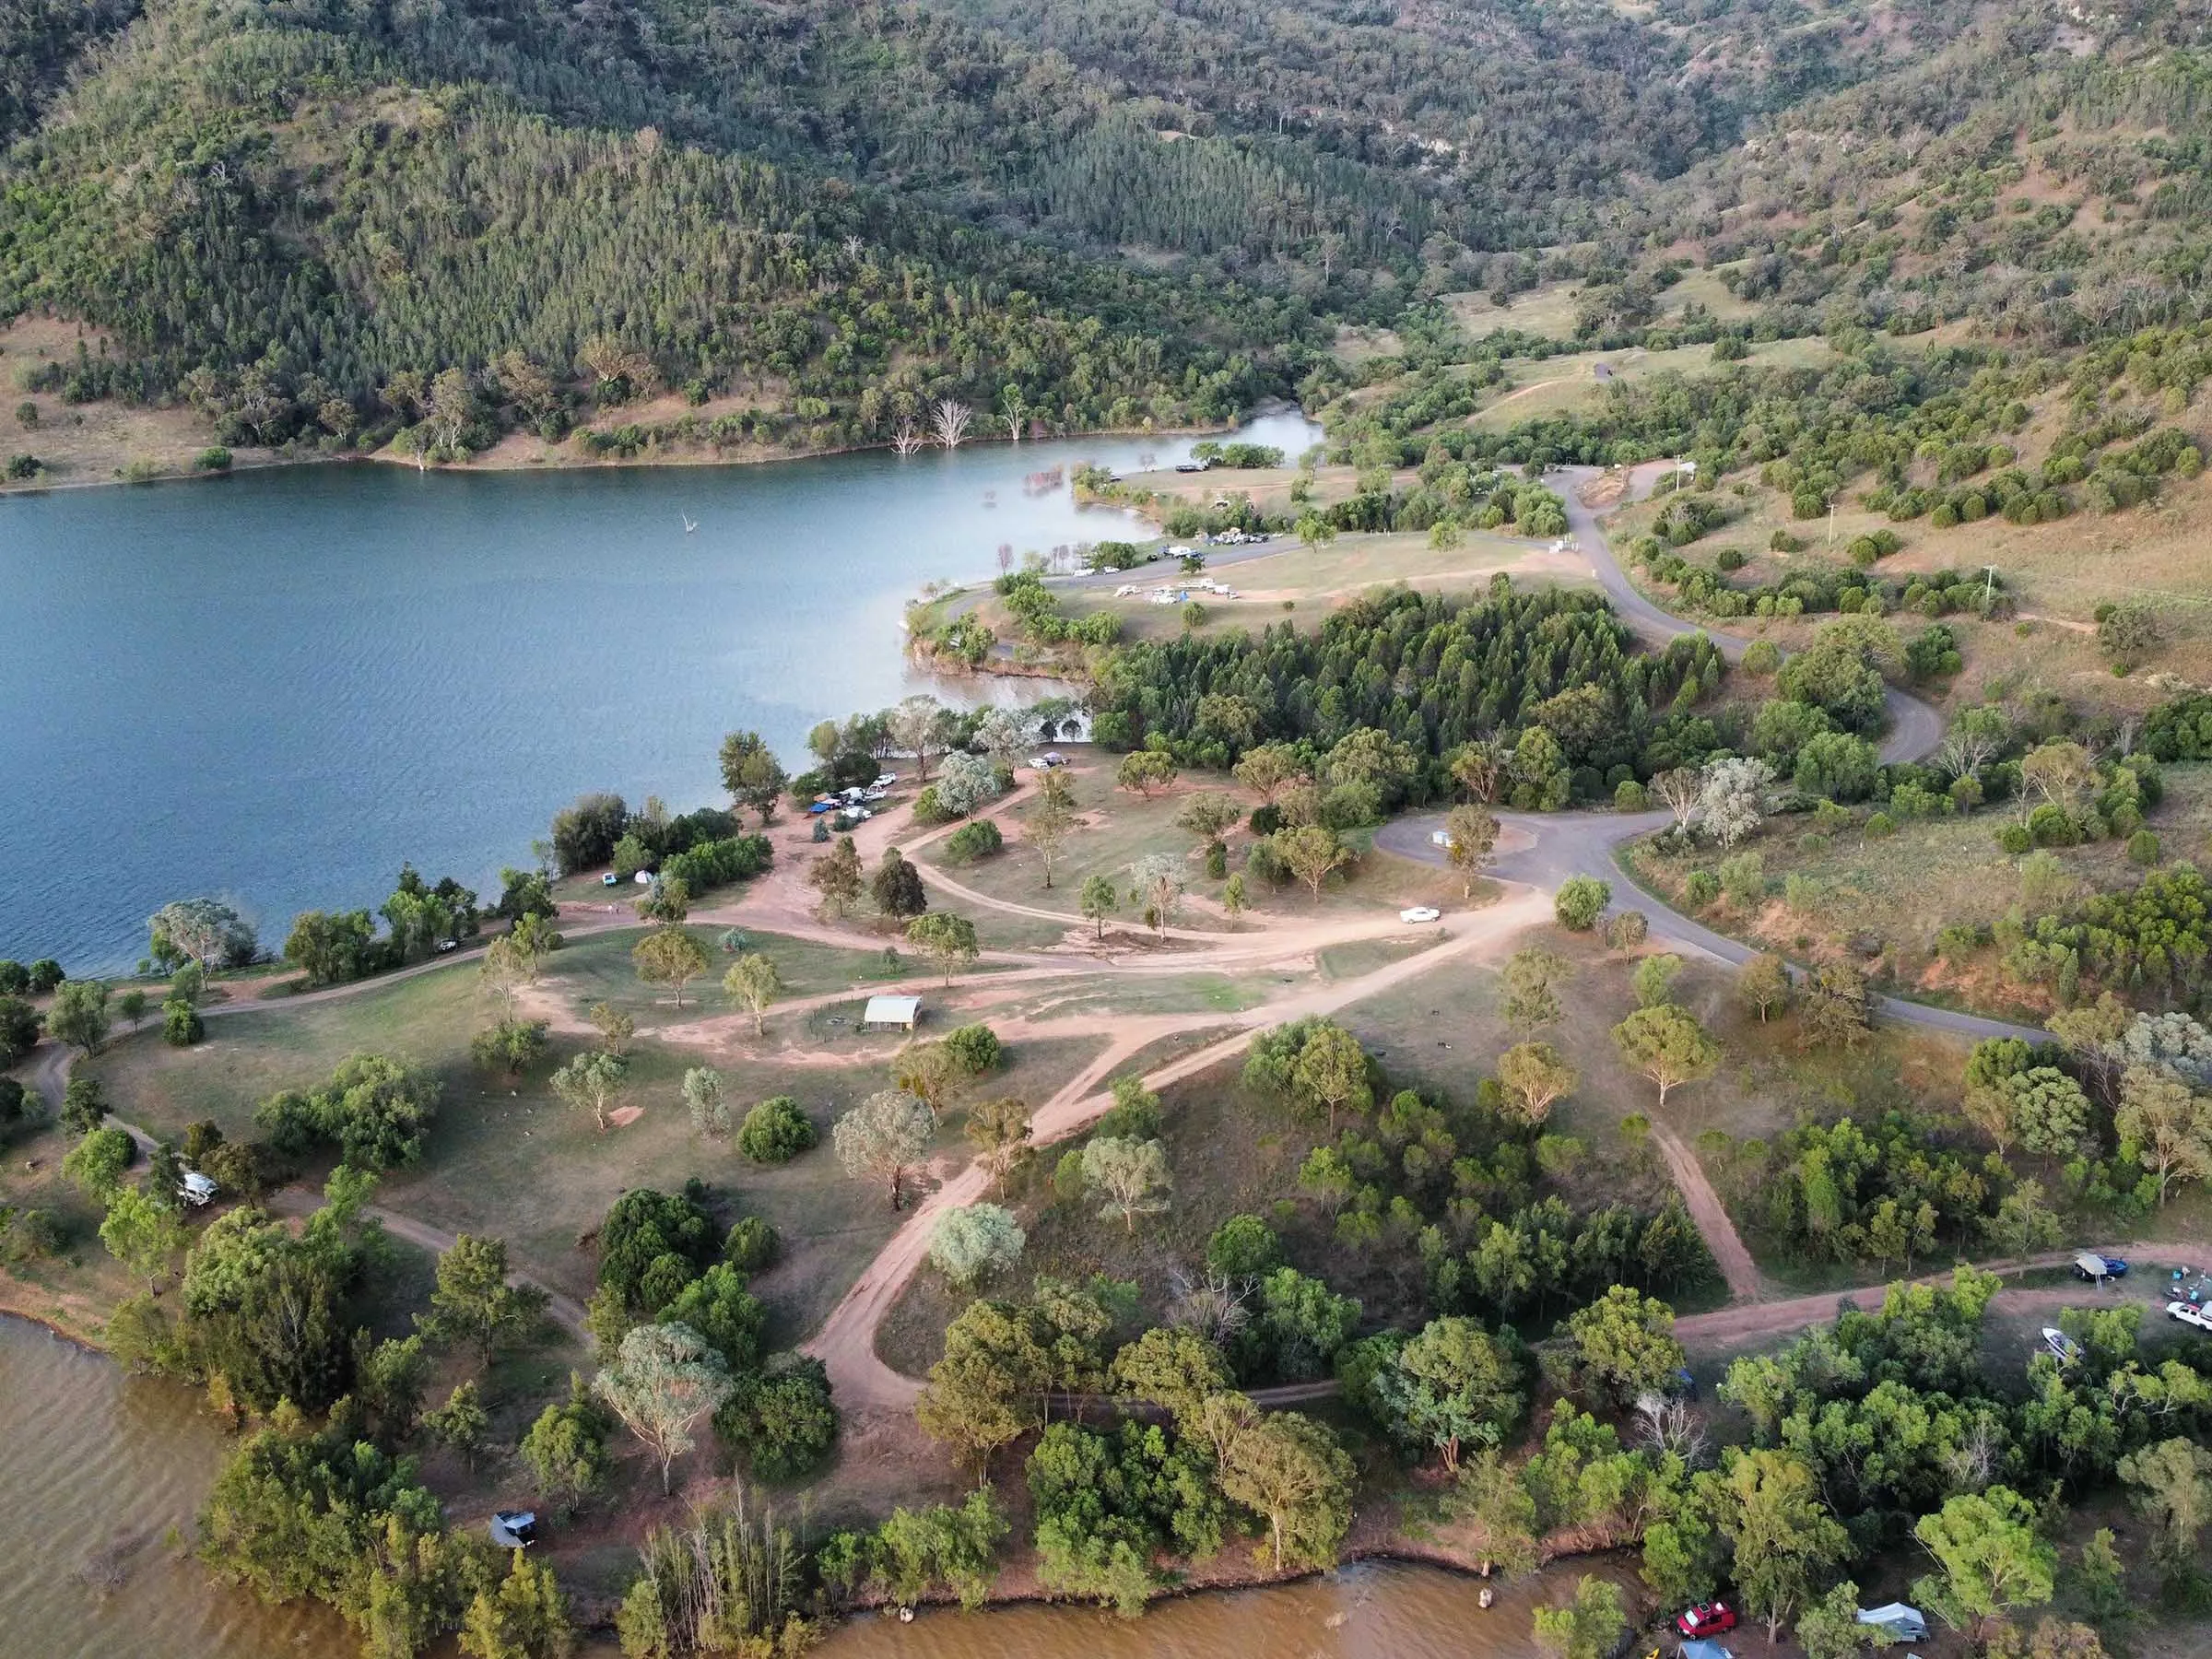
column 2189, row 1314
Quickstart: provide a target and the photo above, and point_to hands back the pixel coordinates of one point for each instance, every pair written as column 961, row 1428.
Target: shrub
column 181, row 1023
column 1880, row 825
column 1631, row 796
column 970, row 841
column 775, row 1131
column 975, row 1049
column 2015, row 838
column 216, row 459
column 1581, row 901
column 2143, row 847
column 1701, row 890
column 751, row 1244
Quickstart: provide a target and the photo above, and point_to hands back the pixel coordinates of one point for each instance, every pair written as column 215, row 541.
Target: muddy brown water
column 100, row 1475
column 1369, row 1610
column 100, row 1478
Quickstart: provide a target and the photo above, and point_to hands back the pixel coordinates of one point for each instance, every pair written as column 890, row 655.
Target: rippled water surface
column 100, row 1478
column 278, row 685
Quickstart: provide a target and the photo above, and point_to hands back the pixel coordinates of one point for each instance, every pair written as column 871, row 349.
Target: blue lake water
column 278, row 685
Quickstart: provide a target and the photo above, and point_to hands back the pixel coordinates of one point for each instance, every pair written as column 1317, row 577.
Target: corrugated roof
column 891, row 1010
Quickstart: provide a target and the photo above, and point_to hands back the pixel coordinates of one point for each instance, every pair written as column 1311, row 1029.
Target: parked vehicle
column 2189, row 1315
column 1440, row 838
column 1707, row 1618
column 884, row 780
column 195, row 1189
column 1895, row 1622
column 2094, row 1268
column 1420, row 912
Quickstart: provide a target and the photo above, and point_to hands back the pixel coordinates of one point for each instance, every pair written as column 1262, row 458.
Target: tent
column 1896, row 1622
column 1705, row 1650
column 2090, row 1265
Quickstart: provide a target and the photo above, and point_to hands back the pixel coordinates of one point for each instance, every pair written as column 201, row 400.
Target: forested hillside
column 336, row 225
column 300, row 217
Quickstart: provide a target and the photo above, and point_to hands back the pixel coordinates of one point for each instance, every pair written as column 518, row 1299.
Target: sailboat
column 690, row 523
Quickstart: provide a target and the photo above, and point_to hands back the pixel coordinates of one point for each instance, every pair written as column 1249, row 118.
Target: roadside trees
column 990, row 1387
column 472, row 1303
column 1763, row 983
column 973, row 1241
column 1330, row 1071
column 1470, row 838
column 1451, row 1386
column 897, row 888
column 1667, row 1045
column 1835, row 1007
column 753, row 984
column 999, row 1130
column 1312, row 853
column 884, row 1136
column 1624, row 1345
column 1098, row 900
column 2170, row 1127
column 671, row 957
column 752, row 773
column 19, row 1030
column 1579, row 901
column 948, row 940
column 78, row 1016
column 1156, row 884
column 664, row 1382
column 836, row 875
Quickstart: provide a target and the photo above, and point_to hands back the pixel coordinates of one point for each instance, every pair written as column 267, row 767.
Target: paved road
column 1546, row 848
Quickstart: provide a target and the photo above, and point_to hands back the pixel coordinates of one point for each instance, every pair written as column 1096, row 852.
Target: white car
column 885, row 781
column 1440, row 838
column 1421, row 912
column 2189, row 1315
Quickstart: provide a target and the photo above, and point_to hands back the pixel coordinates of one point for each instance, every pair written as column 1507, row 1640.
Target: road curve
column 1553, row 846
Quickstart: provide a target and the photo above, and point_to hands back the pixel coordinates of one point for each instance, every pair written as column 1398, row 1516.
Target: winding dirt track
column 1549, row 848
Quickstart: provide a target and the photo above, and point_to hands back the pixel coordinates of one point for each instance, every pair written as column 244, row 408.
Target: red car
column 1707, row 1618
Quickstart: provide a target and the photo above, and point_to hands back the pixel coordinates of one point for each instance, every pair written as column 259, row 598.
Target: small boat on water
column 690, row 523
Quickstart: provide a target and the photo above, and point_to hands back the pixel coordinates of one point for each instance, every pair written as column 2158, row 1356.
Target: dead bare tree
column 906, row 440
column 949, row 421
column 1668, row 1425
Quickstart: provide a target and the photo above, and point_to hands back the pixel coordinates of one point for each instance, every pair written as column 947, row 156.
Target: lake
column 276, row 687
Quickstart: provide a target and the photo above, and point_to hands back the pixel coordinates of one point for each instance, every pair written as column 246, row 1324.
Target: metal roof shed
column 890, row 1014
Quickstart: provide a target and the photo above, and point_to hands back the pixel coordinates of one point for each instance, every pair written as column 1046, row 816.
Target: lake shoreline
column 565, row 457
